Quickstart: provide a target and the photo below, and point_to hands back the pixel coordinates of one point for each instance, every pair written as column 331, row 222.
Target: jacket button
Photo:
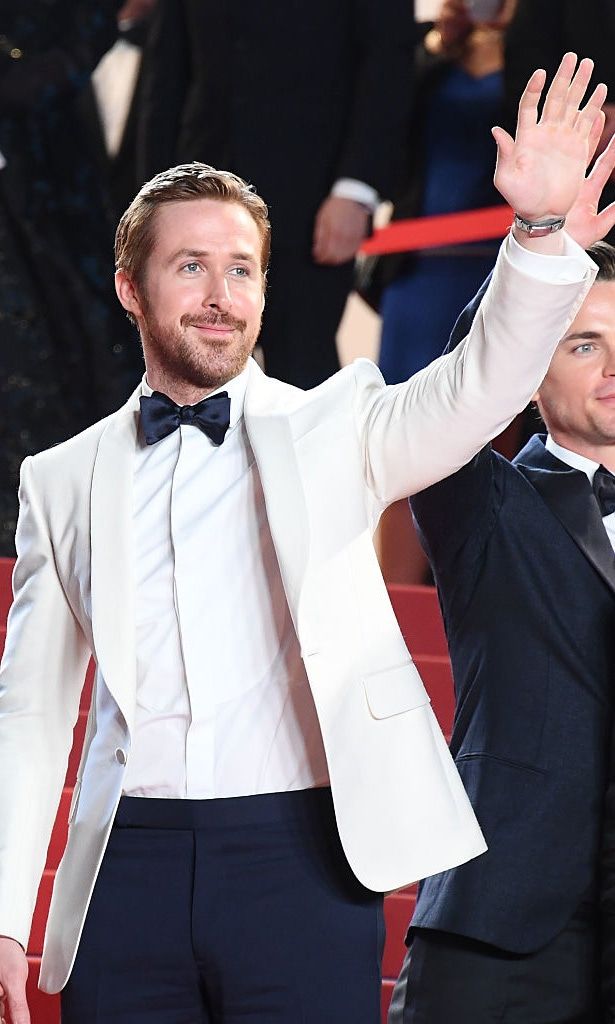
column 120, row 756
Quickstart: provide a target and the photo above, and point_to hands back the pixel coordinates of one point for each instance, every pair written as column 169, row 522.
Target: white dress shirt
column 224, row 707
column 587, row 466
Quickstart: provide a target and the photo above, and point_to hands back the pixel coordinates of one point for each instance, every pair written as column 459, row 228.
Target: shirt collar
column 235, row 388
column 573, row 459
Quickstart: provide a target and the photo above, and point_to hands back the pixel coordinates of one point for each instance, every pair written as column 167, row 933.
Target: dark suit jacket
column 290, row 96
column 526, row 581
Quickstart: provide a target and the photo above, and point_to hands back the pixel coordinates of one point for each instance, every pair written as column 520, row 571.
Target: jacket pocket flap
column 394, row 690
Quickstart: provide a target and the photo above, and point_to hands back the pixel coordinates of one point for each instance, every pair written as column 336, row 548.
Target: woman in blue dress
column 460, row 86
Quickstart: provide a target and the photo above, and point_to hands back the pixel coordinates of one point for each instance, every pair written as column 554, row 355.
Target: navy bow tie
column 603, row 486
column 160, row 416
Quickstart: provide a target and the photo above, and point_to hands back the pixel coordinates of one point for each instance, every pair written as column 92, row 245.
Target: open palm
column 541, row 171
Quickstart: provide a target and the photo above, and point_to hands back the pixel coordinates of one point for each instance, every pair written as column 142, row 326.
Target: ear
column 127, row 294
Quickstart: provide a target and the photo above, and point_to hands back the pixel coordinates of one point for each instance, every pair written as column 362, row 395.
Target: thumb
column 18, row 1007
column 504, row 142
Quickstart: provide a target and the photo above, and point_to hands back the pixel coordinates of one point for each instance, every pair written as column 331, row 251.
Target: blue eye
column 191, row 267
column 585, row 348
column 240, row 271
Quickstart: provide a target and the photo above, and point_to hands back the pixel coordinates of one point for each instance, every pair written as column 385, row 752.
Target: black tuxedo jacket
column 290, row 96
column 526, row 580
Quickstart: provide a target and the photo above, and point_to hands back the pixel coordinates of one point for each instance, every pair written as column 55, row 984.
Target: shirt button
column 120, row 756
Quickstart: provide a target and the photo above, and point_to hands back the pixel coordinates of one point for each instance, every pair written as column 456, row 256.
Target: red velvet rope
column 447, row 229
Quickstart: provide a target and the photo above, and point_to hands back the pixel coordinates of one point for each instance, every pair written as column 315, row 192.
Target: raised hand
column 541, row 171
column 583, row 222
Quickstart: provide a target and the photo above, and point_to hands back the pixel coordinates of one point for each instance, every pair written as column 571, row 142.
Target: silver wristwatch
column 539, row 228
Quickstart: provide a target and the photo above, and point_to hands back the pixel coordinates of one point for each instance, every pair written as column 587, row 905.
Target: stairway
column 419, row 617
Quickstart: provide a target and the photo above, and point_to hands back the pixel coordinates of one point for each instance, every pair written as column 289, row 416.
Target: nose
column 217, row 294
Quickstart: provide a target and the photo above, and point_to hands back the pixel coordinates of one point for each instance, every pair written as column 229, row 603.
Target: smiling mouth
column 221, row 325
column 214, row 328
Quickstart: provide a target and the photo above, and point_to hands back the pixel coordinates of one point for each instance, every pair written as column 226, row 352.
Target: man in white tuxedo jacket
column 261, row 758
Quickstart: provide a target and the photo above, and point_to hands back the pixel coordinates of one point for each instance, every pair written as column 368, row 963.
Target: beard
column 201, row 362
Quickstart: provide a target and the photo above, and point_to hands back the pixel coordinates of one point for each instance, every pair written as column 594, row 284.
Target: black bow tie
column 603, row 487
column 160, row 416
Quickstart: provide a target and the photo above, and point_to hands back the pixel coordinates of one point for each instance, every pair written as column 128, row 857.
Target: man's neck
column 181, row 392
column 602, row 454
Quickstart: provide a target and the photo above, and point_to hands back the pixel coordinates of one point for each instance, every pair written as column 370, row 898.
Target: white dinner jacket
column 330, row 460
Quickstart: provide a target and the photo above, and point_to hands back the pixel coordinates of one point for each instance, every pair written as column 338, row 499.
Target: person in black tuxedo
column 523, row 558
column 309, row 102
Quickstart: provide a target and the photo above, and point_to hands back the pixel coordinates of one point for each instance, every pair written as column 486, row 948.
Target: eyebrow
column 582, row 336
column 245, row 257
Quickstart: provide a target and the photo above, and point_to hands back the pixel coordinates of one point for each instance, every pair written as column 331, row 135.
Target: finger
column 558, row 90
column 578, row 88
column 604, row 165
column 18, row 1008
column 594, row 136
column 606, row 220
column 504, row 142
column 320, row 237
column 585, row 118
column 528, row 104
column 320, row 251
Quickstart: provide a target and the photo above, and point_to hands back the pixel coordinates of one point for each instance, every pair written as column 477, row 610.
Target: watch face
column 483, row 10
column 537, row 230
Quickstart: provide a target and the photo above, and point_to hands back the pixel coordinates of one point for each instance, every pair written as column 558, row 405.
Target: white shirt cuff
column 350, row 188
column 569, row 267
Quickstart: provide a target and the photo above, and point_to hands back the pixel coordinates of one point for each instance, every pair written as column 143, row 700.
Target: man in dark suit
column 310, row 103
column 523, row 559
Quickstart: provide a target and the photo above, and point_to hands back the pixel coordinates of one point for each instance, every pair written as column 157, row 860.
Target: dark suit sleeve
column 163, row 85
column 378, row 122
column 457, row 513
column 607, row 894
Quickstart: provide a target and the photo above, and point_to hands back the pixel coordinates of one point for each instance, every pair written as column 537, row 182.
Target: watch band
column 539, row 228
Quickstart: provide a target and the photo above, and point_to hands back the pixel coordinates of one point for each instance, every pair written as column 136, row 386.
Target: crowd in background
column 328, row 110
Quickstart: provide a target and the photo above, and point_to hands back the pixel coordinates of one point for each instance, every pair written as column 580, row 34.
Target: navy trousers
column 234, row 911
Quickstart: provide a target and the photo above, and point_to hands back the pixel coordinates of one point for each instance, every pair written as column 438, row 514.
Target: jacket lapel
column 267, row 410
column 568, row 494
column 113, row 613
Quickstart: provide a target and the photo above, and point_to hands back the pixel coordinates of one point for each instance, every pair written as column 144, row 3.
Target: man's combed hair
column 603, row 255
column 134, row 237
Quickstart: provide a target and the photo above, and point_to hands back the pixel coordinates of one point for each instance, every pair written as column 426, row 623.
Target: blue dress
column 420, row 307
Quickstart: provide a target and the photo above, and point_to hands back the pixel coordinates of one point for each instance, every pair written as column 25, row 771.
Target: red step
column 39, row 920
column 418, row 614
column 44, row 1009
column 6, row 593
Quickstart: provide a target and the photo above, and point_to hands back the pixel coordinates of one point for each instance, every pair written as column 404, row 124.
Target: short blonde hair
column 134, row 238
